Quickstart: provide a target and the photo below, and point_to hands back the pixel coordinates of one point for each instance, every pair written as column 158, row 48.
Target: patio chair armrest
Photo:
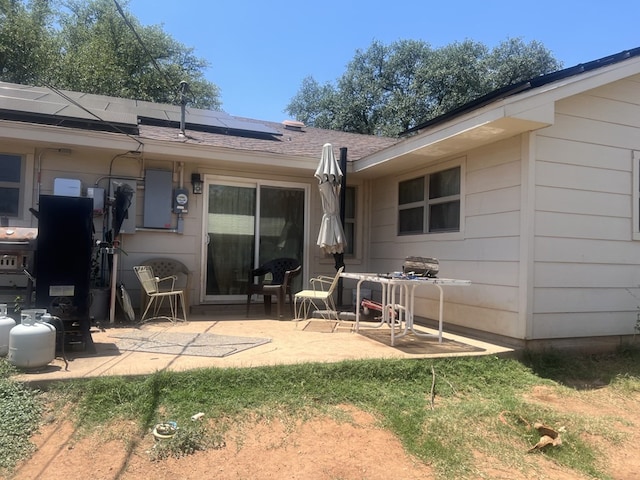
column 325, row 278
column 171, row 278
column 290, row 274
column 322, row 280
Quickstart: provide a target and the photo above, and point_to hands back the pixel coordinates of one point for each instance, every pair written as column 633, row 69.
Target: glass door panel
column 230, row 230
column 281, row 225
column 238, row 238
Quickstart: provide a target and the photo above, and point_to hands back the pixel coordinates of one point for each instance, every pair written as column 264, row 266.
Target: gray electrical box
column 158, row 198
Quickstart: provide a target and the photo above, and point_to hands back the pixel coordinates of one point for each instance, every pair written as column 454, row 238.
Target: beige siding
column 92, row 167
column 486, row 251
column 587, row 279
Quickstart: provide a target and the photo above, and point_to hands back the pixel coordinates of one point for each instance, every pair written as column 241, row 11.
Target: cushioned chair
column 157, row 289
column 283, row 271
column 322, row 288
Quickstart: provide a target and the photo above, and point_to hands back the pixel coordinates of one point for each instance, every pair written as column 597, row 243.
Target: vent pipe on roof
column 293, row 125
column 184, row 86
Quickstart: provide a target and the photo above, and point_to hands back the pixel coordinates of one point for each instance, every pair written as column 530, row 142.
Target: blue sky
column 260, row 51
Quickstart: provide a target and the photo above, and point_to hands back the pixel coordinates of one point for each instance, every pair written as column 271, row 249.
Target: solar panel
column 242, row 125
column 72, row 111
column 195, row 119
column 31, row 106
column 10, row 91
column 44, row 101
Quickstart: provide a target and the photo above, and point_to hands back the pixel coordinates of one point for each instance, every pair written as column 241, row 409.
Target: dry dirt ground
column 320, row 448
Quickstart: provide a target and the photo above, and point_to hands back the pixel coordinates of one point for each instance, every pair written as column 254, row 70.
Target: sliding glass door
column 247, row 224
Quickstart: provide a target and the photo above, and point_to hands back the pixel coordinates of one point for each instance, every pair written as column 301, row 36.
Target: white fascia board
column 207, row 153
column 432, row 136
column 536, row 107
column 544, row 113
column 48, row 134
column 574, row 85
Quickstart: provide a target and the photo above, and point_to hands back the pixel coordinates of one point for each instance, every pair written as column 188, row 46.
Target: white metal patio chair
column 157, row 289
column 166, row 267
column 322, row 288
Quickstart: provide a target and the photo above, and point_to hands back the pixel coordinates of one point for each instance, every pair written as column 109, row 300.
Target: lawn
column 446, row 412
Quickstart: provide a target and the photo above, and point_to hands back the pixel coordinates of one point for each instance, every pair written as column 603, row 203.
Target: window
column 11, row 177
column 430, row 204
column 350, row 220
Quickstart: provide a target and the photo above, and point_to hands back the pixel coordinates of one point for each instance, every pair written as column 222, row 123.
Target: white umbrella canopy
column 331, row 238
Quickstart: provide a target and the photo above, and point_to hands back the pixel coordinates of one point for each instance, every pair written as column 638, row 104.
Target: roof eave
column 507, row 115
column 475, row 129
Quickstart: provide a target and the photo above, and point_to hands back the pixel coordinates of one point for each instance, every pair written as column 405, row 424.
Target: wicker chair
column 283, row 271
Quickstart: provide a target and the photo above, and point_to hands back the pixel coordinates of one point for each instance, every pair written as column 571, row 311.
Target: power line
column 93, row 114
column 38, row 79
column 144, row 47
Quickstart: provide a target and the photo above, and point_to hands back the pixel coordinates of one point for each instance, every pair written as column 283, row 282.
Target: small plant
column 21, row 410
column 636, row 327
column 185, row 441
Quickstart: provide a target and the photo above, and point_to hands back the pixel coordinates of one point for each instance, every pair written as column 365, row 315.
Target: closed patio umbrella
column 331, row 237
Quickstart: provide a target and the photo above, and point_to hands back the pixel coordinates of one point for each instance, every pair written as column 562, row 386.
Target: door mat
column 197, row 344
column 411, row 343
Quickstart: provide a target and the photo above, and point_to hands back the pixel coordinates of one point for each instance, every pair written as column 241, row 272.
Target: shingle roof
column 306, row 142
column 155, row 121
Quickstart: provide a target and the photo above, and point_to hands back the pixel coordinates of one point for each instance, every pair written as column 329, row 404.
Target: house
column 531, row 192
column 534, row 197
column 218, row 193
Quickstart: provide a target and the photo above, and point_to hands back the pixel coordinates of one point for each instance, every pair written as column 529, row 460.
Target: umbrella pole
column 339, row 262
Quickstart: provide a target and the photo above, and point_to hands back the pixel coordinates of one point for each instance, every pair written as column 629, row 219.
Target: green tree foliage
column 27, row 42
column 389, row 89
column 98, row 47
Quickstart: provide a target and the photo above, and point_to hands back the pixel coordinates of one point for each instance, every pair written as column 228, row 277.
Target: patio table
column 398, row 295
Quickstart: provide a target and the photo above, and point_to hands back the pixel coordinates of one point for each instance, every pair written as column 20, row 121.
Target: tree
column 27, row 43
column 99, row 47
column 389, row 89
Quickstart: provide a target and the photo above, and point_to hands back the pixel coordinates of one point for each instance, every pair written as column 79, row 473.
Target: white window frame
column 351, row 243
column 20, row 185
column 426, row 202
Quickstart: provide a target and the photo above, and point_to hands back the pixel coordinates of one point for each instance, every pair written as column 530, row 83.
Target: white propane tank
column 6, row 324
column 32, row 343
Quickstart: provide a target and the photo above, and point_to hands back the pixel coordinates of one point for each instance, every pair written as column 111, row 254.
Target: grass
column 21, row 410
column 479, row 407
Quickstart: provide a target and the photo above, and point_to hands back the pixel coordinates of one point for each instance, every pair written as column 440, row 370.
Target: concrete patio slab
column 291, row 342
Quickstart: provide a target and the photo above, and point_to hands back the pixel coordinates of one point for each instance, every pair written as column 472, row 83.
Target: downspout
column 343, row 202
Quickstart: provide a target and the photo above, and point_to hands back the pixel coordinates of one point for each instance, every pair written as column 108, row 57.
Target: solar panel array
column 119, row 111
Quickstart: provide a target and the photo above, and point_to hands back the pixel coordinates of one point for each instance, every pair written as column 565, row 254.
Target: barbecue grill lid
column 18, row 234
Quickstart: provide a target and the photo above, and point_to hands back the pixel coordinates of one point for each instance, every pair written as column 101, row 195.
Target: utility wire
column 144, row 47
column 81, row 107
column 59, row 92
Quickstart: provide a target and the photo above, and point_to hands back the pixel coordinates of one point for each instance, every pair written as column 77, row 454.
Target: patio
column 288, row 342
